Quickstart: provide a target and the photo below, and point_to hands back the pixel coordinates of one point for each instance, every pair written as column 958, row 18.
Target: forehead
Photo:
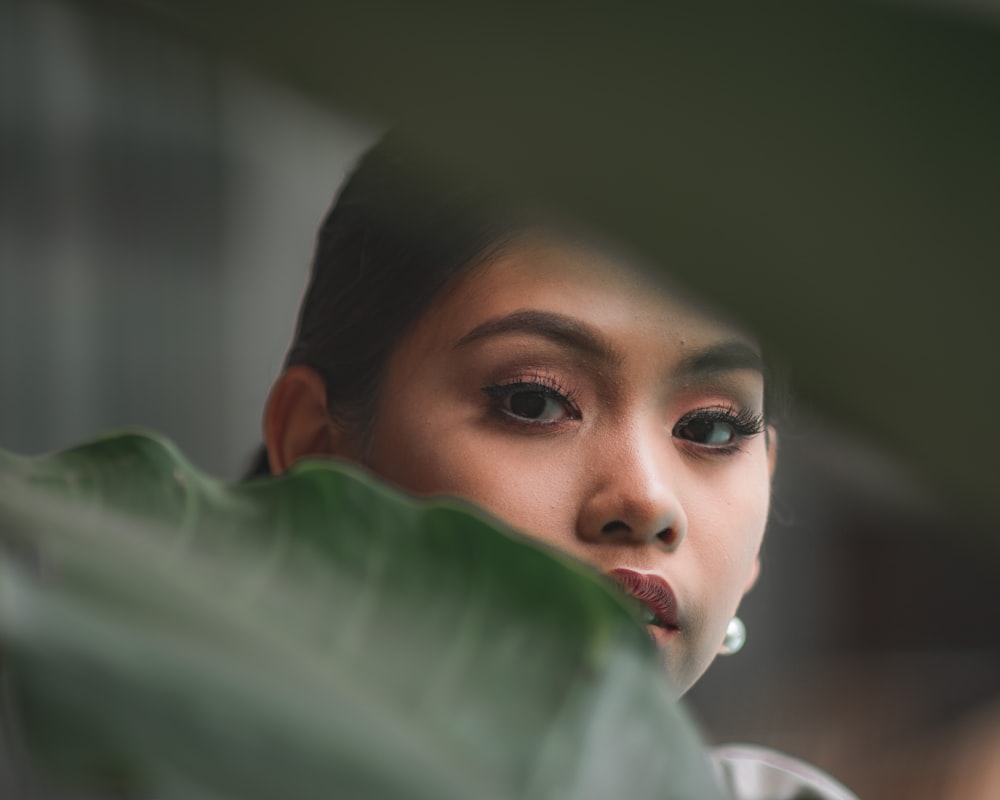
column 593, row 285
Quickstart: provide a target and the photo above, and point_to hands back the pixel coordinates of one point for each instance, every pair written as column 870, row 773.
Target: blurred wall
column 157, row 213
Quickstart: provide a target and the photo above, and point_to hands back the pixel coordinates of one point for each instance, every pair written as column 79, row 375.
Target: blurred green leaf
column 311, row 636
column 826, row 171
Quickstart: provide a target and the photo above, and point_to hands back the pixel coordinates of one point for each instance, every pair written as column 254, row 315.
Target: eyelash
column 534, row 383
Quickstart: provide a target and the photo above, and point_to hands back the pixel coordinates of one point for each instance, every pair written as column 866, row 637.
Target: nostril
column 667, row 536
column 616, row 526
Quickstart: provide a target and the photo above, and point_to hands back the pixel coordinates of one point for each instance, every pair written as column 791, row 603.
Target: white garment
column 749, row 772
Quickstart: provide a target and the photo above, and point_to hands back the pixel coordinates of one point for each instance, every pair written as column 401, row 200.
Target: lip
column 655, row 593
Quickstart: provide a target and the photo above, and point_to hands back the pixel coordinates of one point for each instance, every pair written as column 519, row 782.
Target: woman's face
column 597, row 412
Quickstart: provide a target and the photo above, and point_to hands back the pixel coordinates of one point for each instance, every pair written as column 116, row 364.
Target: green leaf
column 315, row 635
column 825, row 172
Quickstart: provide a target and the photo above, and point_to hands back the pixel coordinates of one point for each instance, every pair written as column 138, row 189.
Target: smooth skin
column 586, row 405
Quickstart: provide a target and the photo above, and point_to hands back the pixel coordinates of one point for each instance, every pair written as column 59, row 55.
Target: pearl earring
column 735, row 638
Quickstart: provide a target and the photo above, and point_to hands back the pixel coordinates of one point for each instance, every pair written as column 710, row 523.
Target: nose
column 632, row 496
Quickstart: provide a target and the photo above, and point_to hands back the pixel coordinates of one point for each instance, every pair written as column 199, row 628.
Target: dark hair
column 389, row 244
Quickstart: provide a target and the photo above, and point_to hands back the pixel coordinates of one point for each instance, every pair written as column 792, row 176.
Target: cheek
column 428, row 455
column 729, row 519
column 726, row 527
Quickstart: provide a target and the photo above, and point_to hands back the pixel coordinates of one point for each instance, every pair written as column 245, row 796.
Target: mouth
column 656, row 596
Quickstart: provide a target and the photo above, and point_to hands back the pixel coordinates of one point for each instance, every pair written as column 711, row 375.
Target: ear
column 296, row 422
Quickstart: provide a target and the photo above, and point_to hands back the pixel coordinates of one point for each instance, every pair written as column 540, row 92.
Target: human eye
column 719, row 429
column 533, row 400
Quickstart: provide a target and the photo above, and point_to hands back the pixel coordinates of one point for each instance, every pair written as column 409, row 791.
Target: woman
column 553, row 382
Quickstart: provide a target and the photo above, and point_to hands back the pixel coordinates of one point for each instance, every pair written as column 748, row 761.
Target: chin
column 683, row 669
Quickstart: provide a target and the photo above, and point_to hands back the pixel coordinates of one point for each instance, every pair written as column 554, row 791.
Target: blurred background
column 158, row 203
column 158, row 213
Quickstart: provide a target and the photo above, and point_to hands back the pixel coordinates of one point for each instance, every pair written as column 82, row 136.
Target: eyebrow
column 557, row 328
column 727, row 356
